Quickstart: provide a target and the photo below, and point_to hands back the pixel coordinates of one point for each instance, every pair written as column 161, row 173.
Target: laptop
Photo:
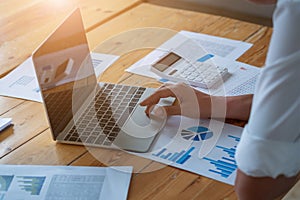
column 82, row 111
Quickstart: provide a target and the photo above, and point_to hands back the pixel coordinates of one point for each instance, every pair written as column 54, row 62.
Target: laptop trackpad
column 139, row 117
column 140, row 126
column 139, row 131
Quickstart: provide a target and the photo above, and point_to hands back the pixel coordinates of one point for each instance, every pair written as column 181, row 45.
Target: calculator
column 201, row 74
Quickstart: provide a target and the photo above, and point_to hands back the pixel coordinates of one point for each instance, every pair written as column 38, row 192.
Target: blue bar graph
column 166, row 156
column 31, row 184
column 160, row 152
column 230, row 151
column 234, row 137
column 227, row 164
column 185, row 156
column 225, row 169
column 178, row 157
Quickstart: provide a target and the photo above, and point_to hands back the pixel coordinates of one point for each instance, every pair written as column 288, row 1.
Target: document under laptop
column 82, row 111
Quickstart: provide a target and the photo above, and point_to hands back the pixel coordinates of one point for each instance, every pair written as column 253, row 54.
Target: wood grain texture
column 123, row 34
column 108, row 157
column 127, row 28
column 8, row 103
column 42, row 150
column 24, row 28
column 29, row 120
column 8, row 8
column 165, row 21
column 257, row 54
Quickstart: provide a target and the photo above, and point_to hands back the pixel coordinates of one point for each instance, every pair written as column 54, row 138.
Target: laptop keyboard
column 102, row 121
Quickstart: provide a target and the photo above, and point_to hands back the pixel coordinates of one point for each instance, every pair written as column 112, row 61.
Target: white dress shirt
column 270, row 143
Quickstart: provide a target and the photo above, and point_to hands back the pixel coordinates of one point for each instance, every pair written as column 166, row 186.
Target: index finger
column 157, row 95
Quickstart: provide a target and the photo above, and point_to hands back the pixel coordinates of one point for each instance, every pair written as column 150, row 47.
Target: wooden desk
column 29, row 140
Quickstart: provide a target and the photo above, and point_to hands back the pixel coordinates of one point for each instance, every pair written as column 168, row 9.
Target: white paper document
column 242, row 76
column 223, row 47
column 242, row 80
column 102, row 61
column 22, row 82
column 5, row 122
column 29, row 182
column 179, row 143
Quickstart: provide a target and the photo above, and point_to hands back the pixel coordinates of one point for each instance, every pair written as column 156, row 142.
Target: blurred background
column 238, row 9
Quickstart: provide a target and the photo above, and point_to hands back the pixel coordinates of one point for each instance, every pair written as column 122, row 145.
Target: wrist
column 238, row 107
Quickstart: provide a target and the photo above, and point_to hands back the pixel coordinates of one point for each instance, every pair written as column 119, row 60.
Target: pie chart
column 196, row 133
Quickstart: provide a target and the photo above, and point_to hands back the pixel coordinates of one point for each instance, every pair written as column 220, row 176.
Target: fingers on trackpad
column 158, row 113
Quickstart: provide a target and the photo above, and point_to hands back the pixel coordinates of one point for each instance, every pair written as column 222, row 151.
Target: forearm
column 232, row 107
column 264, row 188
column 239, row 107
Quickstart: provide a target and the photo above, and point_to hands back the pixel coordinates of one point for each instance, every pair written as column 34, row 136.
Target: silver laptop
column 82, row 111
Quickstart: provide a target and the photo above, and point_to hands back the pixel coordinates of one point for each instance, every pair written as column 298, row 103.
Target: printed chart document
column 242, row 77
column 29, row 182
column 22, row 82
column 223, row 47
column 102, row 61
column 179, row 143
column 242, row 80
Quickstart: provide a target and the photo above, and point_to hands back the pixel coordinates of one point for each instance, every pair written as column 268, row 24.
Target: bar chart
column 178, row 157
column 226, row 165
column 31, row 184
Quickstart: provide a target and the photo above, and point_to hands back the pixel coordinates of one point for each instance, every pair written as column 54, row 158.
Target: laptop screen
column 65, row 72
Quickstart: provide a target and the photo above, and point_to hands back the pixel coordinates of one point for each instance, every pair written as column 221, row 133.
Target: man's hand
column 190, row 102
column 196, row 104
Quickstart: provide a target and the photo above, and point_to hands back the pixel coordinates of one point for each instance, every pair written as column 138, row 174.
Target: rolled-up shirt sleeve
column 270, row 143
column 260, row 157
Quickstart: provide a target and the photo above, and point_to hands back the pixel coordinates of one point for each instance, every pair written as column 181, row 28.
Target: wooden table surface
column 131, row 29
